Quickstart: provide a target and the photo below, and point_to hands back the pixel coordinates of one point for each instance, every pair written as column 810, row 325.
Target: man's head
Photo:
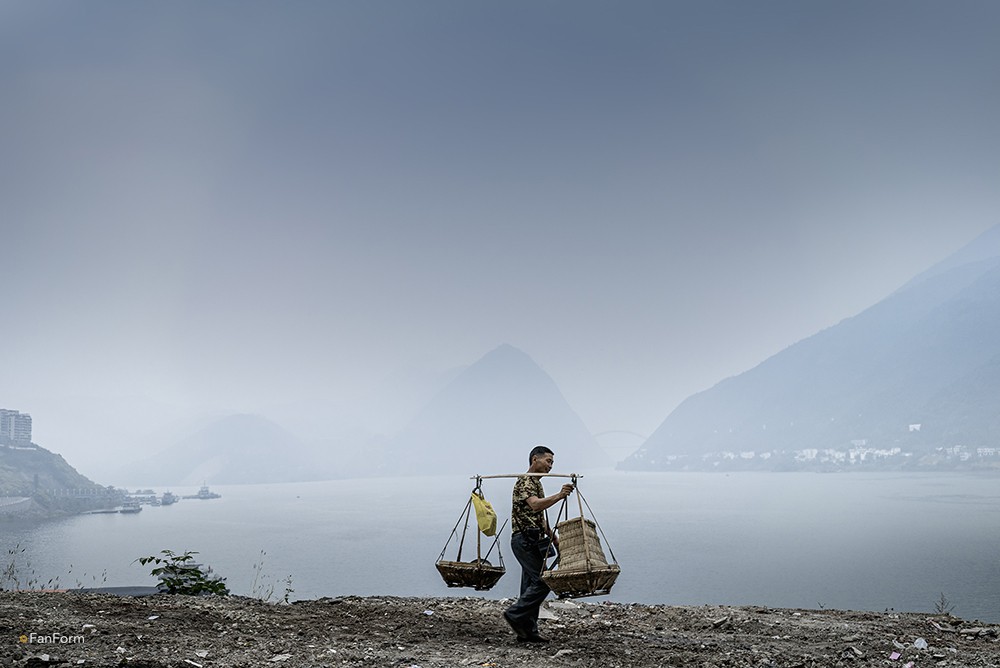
column 540, row 459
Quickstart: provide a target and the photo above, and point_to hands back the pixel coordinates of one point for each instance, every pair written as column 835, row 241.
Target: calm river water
column 848, row 541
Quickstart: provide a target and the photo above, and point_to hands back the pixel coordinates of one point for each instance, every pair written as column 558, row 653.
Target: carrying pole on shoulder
column 574, row 476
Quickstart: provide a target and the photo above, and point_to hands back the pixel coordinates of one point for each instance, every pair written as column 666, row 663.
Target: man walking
column 530, row 540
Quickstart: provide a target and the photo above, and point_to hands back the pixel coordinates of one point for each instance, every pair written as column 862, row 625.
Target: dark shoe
column 532, row 636
column 521, row 632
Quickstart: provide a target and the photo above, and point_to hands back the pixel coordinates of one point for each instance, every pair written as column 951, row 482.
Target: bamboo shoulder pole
column 533, row 475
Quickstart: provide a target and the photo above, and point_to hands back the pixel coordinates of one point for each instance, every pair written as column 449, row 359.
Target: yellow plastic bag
column 485, row 515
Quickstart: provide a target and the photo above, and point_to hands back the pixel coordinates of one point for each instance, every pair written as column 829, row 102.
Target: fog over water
column 858, row 541
column 315, row 211
column 320, row 213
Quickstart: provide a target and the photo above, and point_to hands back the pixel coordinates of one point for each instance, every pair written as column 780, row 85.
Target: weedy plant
column 262, row 587
column 18, row 574
column 943, row 606
column 178, row 574
column 80, row 584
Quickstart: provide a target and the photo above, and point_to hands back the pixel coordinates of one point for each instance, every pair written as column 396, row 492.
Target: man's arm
column 537, row 504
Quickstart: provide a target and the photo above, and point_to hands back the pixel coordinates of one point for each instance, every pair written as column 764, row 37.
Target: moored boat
column 130, row 507
column 204, row 493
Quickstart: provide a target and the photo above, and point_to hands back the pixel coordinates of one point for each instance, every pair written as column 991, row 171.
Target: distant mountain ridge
column 920, row 370
column 488, row 419
column 236, row 449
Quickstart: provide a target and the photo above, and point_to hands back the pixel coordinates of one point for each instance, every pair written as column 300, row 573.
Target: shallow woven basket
column 479, row 575
column 566, row 583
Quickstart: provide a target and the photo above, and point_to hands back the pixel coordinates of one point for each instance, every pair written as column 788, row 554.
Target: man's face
column 543, row 463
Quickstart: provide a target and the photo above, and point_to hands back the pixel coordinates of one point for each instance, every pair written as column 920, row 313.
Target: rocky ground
column 181, row 631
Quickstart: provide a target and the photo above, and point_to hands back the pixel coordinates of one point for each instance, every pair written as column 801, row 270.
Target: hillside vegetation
column 55, row 487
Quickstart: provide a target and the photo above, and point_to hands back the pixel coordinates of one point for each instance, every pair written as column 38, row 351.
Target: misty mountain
column 918, row 370
column 237, row 449
column 488, row 418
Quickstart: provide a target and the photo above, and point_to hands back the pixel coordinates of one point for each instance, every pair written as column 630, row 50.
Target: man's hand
column 537, row 504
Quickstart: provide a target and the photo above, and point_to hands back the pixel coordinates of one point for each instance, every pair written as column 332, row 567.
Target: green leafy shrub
column 179, row 575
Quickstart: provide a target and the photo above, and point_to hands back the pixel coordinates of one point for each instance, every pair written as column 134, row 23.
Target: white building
column 15, row 427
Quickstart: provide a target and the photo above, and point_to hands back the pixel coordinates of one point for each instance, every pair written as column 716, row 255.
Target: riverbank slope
column 164, row 631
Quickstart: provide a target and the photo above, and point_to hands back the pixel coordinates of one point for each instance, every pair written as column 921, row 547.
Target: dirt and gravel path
column 72, row 629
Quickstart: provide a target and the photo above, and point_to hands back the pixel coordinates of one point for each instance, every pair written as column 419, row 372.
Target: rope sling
column 580, row 569
column 479, row 574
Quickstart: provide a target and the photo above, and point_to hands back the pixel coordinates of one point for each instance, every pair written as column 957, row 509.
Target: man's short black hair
column 538, row 451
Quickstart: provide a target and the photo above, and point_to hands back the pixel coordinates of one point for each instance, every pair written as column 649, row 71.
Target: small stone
column 562, row 605
column 545, row 613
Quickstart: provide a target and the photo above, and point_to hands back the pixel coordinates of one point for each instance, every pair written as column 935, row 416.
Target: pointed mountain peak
column 489, row 417
column 508, row 367
column 507, row 354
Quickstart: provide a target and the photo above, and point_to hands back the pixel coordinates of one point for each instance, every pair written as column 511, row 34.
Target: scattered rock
column 852, row 652
column 357, row 632
column 545, row 613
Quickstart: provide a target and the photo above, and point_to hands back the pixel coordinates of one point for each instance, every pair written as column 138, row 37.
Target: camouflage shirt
column 521, row 515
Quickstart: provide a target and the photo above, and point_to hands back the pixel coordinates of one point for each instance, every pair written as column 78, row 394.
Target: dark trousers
column 530, row 551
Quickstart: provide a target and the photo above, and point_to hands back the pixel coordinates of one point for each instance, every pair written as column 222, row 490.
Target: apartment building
column 15, row 427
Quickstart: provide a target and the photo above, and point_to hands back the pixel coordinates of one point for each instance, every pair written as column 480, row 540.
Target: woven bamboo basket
column 582, row 570
column 581, row 583
column 480, row 575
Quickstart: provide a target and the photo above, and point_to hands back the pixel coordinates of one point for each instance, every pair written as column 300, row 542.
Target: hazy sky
column 237, row 205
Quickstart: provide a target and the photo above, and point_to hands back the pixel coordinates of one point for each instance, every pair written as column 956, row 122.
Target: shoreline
column 170, row 630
